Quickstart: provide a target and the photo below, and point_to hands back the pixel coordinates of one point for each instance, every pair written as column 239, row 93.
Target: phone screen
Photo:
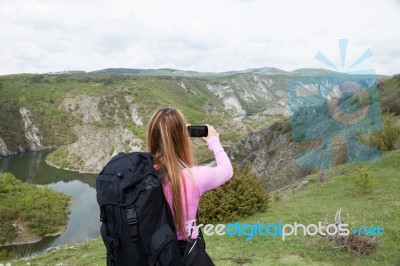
column 198, row 131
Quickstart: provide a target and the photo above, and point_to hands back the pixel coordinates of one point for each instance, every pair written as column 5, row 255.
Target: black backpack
column 137, row 225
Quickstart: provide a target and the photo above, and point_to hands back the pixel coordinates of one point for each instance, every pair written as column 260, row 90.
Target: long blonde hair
column 168, row 141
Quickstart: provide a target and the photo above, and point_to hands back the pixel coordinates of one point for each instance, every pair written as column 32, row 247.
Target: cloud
column 43, row 36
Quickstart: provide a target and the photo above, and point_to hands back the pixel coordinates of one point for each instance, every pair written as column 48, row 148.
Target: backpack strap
column 133, row 227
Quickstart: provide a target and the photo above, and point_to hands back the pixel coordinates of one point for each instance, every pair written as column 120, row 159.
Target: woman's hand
column 211, row 132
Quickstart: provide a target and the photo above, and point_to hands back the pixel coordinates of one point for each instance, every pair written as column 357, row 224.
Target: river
column 83, row 221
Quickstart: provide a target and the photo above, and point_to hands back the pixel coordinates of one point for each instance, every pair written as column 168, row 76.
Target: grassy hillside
column 311, row 202
column 114, row 105
column 42, row 95
column 55, row 103
column 101, row 113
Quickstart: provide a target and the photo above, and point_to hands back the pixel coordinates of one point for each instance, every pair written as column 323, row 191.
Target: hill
column 81, row 112
column 90, row 116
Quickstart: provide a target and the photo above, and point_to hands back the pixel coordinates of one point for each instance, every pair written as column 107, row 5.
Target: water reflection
column 32, row 168
column 84, row 218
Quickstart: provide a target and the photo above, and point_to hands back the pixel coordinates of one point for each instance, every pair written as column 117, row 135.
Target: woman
column 183, row 182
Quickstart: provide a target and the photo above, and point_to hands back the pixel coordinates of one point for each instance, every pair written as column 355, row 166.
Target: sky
column 40, row 36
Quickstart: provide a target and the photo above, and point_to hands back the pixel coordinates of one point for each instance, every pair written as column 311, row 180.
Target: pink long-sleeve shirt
column 199, row 179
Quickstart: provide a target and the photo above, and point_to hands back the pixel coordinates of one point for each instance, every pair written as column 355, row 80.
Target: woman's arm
column 208, row 177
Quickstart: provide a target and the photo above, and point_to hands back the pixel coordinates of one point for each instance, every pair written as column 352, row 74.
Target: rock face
column 31, row 131
column 4, row 151
column 134, row 113
column 230, row 101
column 249, row 94
column 96, row 144
column 85, row 107
column 271, row 155
column 3, row 148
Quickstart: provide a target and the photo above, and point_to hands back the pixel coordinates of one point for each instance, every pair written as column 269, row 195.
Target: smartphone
column 198, row 131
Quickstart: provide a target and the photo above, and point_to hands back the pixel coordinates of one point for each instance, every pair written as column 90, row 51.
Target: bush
column 386, row 138
column 390, row 134
column 241, row 196
column 364, row 182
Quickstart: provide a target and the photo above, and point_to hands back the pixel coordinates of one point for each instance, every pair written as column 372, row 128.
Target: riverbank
column 23, row 239
column 55, row 165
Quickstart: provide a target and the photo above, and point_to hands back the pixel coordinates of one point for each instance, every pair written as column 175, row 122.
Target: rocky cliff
column 271, row 155
column 95, row 143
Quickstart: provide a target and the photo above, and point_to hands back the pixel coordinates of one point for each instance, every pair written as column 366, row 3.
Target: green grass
column 309, row 204
column 312, row 204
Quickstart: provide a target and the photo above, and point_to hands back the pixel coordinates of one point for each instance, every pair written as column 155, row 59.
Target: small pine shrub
column 241, row 196
column 364, row 182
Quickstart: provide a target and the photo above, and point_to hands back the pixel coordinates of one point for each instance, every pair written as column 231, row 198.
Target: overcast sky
column 38, row 36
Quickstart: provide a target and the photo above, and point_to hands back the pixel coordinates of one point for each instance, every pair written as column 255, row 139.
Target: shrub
column 364, row 182
column 390, row 134
column 386, row 138
column 277, row 196
column 241, row 196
